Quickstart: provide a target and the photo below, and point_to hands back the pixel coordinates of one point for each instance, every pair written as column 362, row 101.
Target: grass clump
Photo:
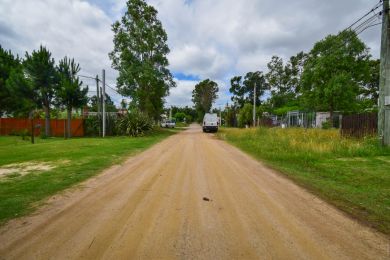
column 352, row 174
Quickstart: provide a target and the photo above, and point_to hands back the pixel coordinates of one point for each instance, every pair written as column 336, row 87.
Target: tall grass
column 352, row 174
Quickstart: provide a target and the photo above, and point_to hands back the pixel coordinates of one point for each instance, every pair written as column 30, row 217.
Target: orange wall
column 11, row 125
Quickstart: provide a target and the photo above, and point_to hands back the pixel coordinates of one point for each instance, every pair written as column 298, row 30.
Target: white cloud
column 70, row 28
column 218, row 39
column 214, row 39
column 182, row 94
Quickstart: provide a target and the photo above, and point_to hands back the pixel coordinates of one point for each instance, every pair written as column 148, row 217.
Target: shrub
column 91, row 126
column 134, row 123
column 326, row 125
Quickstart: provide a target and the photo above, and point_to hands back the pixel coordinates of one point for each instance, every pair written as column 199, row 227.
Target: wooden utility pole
column 104, row 101
column 384, row 81
column 254, row 106
column 98, row 103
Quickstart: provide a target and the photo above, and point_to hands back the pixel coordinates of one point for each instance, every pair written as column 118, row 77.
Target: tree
column 335, row 68
column 284, row 80
column 110, row 106
column 69, row 92
column 8, row 63
column 180, row 116
column 123, row 104
column 242, row 90
column 140, row 50
column 40, row 71
column 25, row 97
column 370, row 88
column 204, row 95
column 245, row 116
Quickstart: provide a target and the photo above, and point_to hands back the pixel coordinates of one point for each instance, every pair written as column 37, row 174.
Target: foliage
column 349, row 173
column 204, row 95
column 135, row 123
column 369, row 90
column 40, row 71
column 284, row 80
column 140, row 50
column 230, row 116
column 180, row 116
column 333, row 71
column 24, row 95
column 110, row 106
column 283, row 110
column 242, row 90
column 8, row 63
column 245, row 116
column 69, row 93
column 190, row 112
column 92, row 126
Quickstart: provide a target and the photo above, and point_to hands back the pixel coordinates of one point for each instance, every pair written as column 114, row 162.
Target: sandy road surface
column 152, row 207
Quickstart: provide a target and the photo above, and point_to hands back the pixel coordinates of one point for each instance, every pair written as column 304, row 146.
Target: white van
column 210, row 122
column 168, row 124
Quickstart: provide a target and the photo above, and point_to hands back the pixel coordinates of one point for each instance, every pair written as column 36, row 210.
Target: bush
column 326, row 125
column 134, row 123
column 91, row 126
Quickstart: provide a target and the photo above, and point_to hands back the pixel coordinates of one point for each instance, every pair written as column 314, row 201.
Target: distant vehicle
column 210, row 122
column 168, row 124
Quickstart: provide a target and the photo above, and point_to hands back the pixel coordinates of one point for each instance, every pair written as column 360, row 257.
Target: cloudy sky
column 214, row 39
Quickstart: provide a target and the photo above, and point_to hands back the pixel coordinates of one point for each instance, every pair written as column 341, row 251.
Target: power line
column 361, row 18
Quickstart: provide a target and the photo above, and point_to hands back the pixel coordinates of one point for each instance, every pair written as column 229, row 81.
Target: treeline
column 338, row 74
column 36, row 83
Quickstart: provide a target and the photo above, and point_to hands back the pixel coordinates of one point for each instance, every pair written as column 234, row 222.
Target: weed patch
column 352, row 174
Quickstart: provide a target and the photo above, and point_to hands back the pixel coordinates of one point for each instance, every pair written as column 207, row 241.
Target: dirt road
column 189, row 197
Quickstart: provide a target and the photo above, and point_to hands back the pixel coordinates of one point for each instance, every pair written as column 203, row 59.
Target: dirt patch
column 27, row 167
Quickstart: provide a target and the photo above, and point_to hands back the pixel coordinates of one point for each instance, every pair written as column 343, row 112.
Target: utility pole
column 104, row 101
column 384, row 81
column 98, row 103
column 254, row 106
column 220, row 116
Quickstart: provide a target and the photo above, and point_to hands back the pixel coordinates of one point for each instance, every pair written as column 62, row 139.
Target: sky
column 215, row 39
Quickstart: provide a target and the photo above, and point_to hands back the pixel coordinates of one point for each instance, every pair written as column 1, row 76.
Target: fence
column 9, row 126
column 359, row 125
column 265, row 122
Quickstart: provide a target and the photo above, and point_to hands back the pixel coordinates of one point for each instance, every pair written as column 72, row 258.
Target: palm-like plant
column 69, row 93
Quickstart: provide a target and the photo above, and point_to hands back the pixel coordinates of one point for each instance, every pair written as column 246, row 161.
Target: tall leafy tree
column 140, row 50
column 370, row 88
column 69, row 93
column 284, row 80
column 243, row 88
column 204, row 95
column 40, row 71
column 333, row 72
column 8, row 63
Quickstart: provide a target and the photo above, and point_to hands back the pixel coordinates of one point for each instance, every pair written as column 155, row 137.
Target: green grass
column 181, row 124
column 354, row 175
column 74, row 160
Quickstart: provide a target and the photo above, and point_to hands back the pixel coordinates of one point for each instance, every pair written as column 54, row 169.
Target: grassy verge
column 54, row 164
column 354, row 175
column 181, row 124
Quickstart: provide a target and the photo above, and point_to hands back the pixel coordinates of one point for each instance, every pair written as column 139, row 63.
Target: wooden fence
column 360, row 125
column 9, row 126
column 265, row 122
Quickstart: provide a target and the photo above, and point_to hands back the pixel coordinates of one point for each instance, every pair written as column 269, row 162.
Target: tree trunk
column 47, row 120
column 69, row 128
column 32, row 127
